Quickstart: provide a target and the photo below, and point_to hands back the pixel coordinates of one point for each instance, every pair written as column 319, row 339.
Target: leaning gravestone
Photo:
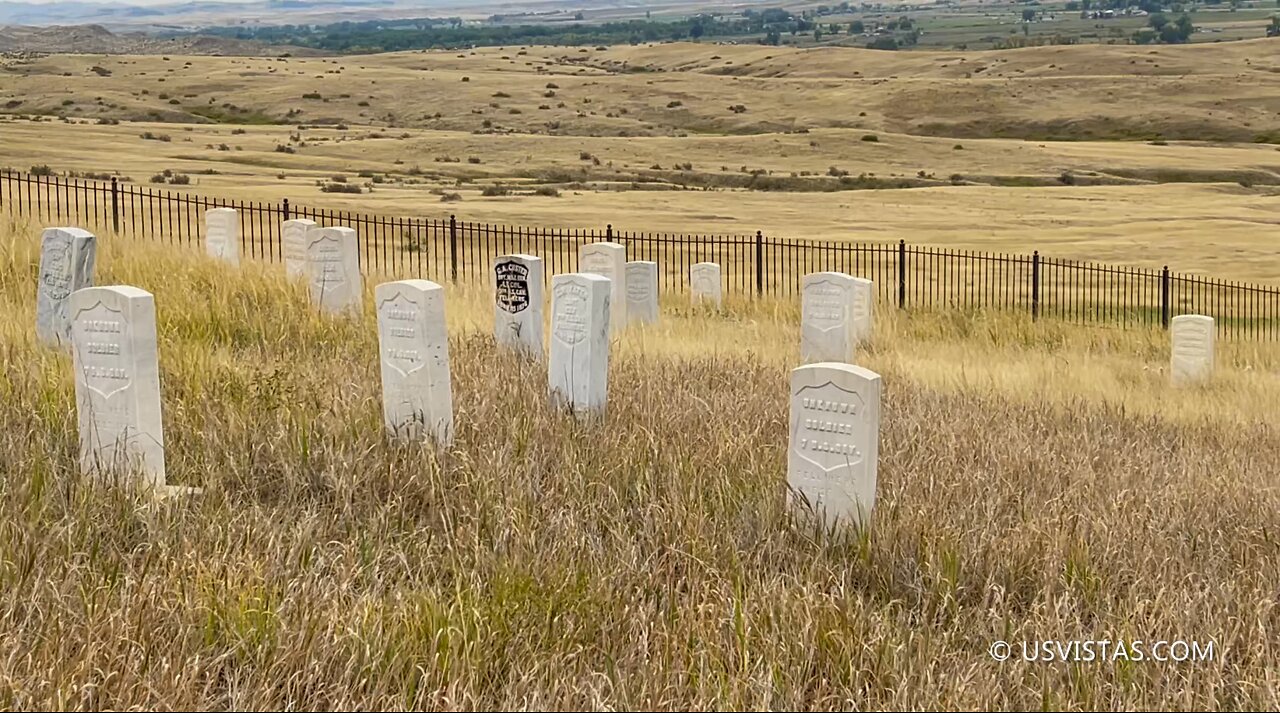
column 222, row 234
column 517, row 303
column 704, row 279
column 333, row 270
column 293, row 245
column 417, row 392
column 835, row 313
column 67, row 257
column 579, row 365
column 609, row 260
column 1191, row 358
column 642, row 291
column 117, row 382
column 835, row 441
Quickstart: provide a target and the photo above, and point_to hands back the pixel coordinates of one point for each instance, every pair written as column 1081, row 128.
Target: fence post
column 608, row 232
column 1164, row 297
column 1035, row 285
column 115, row 204
column 759, row 264
column 285, row 210
column 453, row 248
column 902, row 274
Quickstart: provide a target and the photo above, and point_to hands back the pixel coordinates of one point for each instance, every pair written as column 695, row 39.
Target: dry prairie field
column 645, row 560
column 1148, row 156
column 1039, row 483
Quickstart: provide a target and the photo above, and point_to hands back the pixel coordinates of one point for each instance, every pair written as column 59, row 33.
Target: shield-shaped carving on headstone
column 825, row 308
column 512, row 287
column 401, row 350
column 827, row 434
column 571, row 313
column 102, row 350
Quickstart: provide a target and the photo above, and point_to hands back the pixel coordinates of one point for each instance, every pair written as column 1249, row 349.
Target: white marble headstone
column 333, row 270
column 413, row 344
column 834, row 447
column 864, row 296
column 67, row 257
column 829, row 317
column 293, row 245
column 578, row 371
column 222, row 234
column 1191, row 359
column 117, row 382
column 518, row 299
column 608, row 260
column 704, row 281
column 642, row 291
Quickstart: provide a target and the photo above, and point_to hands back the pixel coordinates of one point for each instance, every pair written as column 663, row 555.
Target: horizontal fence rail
column 908, row 276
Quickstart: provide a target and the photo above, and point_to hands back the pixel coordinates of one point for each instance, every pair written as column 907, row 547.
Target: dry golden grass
column 1037, row 482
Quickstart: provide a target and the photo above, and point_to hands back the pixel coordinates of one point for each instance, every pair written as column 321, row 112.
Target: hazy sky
column 118, row 2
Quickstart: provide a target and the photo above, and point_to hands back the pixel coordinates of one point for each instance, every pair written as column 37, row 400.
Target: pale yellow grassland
column 1036, row 482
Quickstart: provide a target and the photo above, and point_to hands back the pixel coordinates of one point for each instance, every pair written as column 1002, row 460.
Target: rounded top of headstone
column 829, row 367
column 517, row 256
column 419, row 285
column 829, row 276
column 1192, row 319
column 68, row 231
column 580, row 277
column 121, row 290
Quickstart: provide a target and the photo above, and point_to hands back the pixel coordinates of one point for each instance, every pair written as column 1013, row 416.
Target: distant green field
column 991, row 26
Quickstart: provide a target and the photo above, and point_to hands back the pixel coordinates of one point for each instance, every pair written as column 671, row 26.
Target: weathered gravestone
column 222, row 234
column 608, row 260
column 1191, row 358
column 835, row 441
column 704, row 280
column 293, row 245
column 642, row 291
column 413, row 343
column 67, row 256
column 333, row 270
column 517, row 303
column 117, row 382
column 835, row 316
column 579, row 365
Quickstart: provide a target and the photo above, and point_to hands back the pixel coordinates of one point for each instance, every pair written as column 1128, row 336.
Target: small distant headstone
column 417, row 392
column 518, row 303
column 117, row 382
column 834, row 447
column 579, row 365
column 333, row 270
column 293, row 245
column 704, row 279
column 1191, row 359
column 608, row 260
column 835, row 316
column 642, row 291
column 222, row 234
column 67, row 257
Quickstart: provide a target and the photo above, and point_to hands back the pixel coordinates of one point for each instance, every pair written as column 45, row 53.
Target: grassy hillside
column 645, row 561
column 725, row 139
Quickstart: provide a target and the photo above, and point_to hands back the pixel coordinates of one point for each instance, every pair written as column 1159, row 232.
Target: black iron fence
column 909, row 276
